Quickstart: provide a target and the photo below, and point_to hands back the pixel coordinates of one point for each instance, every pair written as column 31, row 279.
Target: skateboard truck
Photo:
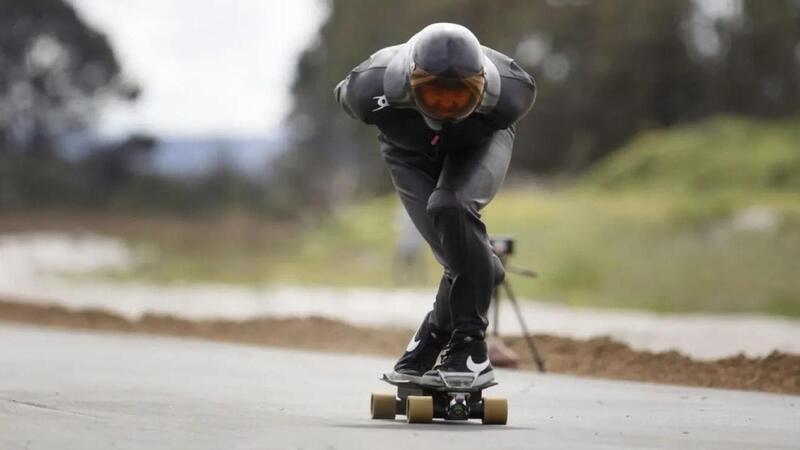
column 458, row 409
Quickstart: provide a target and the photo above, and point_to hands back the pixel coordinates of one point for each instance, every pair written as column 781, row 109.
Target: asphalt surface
column 80, row 390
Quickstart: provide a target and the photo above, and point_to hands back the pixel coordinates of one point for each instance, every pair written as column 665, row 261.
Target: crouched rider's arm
column 353, row 94
column 517, row 97
column 340, row 92
column 359, row 92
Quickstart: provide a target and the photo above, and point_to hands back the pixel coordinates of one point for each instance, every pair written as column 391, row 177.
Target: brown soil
column 599, row 357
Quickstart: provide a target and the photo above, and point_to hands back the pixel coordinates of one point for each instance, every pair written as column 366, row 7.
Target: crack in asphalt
column 49, row 408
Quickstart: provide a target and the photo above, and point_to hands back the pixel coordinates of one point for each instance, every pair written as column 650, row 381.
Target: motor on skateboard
column 421, row 403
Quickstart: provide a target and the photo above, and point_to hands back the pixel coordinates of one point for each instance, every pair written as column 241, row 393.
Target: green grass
column 724, row 153
column 661, row 252
column 658, row 227
column 645, row 251
column 657, row 252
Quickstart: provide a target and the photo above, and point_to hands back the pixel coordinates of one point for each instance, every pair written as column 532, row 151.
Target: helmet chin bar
column 436, row 124
column 433, row 124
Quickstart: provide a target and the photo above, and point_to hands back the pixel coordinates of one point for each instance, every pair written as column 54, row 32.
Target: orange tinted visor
column 446, row 98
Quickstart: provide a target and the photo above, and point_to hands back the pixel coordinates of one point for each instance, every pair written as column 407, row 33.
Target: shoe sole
column 397, row 376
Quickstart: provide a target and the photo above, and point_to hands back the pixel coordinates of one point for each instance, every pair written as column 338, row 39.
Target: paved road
column 80, row 390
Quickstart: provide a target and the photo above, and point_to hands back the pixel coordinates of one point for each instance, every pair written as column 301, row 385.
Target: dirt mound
column 604, row 357
column 599, row 357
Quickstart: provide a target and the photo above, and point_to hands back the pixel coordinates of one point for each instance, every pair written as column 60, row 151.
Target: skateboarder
column 446, row 108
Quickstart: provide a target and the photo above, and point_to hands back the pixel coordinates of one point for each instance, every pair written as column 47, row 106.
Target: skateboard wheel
column 382, row 406
column 419, row 409
column 495, row 411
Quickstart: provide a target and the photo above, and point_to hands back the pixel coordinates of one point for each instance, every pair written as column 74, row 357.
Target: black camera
column 502, row 245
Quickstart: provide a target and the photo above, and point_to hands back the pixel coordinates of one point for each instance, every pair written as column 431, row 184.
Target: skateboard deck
column 421, row 403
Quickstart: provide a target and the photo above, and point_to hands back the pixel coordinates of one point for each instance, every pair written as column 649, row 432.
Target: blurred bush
column 114, row 177
column 725, row 153
column 56, row 72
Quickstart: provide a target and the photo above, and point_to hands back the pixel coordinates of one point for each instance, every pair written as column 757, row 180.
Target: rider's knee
column 498, row 270
column 445, row 202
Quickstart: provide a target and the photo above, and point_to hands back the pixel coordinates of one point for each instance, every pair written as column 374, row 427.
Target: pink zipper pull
column 435, row 140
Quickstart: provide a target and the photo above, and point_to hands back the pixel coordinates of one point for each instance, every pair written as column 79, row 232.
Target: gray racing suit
column 445, row 174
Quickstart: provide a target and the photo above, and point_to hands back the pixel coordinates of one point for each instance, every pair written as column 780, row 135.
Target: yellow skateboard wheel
column 495, row 411
column 382, row 406
column 419, row 409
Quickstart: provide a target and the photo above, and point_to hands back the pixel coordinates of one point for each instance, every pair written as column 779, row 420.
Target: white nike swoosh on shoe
column 477, row 368
column 412, row 344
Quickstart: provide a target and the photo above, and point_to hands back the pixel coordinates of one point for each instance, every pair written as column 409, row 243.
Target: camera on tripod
column 502, row 245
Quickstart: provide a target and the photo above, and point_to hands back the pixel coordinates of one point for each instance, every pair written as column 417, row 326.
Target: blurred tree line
column 55, row 73
column 605, row 69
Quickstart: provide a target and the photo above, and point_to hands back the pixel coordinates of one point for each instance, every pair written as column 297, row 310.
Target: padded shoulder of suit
column 379, row 59
column 517, row 91
column 507, row 67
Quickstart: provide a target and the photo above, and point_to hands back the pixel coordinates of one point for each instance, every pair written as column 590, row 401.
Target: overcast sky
column 207, row 67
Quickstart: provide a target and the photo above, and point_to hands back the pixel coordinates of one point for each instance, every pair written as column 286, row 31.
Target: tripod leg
column 528, row 338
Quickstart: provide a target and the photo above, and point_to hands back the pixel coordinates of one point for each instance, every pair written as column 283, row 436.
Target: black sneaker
column 421, row 354
column 465, row 363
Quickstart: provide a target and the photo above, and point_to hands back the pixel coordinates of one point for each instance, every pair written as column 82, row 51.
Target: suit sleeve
column 356, row 94
column 340, row 92
column 517, row 96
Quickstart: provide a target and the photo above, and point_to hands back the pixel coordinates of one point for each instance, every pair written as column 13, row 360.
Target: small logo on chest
column 382, row 102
